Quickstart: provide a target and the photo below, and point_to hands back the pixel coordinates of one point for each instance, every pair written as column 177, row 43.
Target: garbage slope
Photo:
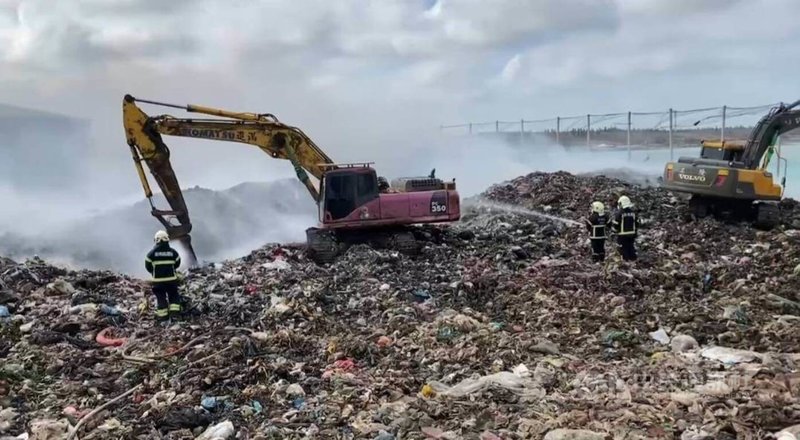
column 502, row 328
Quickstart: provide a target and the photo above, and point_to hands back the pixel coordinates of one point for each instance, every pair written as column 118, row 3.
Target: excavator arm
column 779, row 120
column 143, row 134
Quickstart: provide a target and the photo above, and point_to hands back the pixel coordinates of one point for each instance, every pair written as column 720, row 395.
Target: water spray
column 482, row 203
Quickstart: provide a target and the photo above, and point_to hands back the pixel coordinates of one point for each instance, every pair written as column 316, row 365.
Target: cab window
column 367, row 188
column 344, row 192
column 340, row 194
column 713, row 153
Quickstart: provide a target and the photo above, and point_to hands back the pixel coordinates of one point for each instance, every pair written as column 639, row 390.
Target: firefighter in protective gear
column 162, row 262
column 626, row 225
column 596, row 224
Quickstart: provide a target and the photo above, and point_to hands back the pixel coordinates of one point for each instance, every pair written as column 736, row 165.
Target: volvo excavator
column 354, row 204
column 731, row 178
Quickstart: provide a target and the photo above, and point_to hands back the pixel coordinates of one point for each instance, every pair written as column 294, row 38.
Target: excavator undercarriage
column 762, row 214
column 324, row 245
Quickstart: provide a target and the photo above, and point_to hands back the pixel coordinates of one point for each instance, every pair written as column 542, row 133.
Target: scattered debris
column 574, row 434
column 501, row 328
column 729, row 355
column 660, row 336
column 682, row 343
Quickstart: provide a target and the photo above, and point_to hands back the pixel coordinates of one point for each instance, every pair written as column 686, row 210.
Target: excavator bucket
column 185, row 243
column 179, row 233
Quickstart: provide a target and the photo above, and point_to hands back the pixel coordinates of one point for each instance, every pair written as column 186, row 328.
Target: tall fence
column 632, row 130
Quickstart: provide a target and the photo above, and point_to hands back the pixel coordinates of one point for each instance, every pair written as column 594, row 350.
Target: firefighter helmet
column 161, row 236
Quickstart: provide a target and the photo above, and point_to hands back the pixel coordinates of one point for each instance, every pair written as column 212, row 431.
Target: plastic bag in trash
column 523, row 386
column 220, row 431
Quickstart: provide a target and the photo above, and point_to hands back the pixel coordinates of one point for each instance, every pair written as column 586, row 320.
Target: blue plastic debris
column 421, row 295
column 4, row 313
column 707, row 281
column 209, row 403
column 383, row 435
column 109, row 310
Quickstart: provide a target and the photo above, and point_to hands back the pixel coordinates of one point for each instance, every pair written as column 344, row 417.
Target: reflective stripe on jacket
column 162, row 262
column 626, row 222
column 596, row 225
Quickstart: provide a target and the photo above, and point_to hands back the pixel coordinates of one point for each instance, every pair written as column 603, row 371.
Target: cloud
column 662, row 9
column 511, row 69
column 691, row 48
column 480, row 24
column 363, row 78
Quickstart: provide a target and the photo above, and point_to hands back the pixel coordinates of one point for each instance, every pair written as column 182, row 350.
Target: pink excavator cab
column 357, row 206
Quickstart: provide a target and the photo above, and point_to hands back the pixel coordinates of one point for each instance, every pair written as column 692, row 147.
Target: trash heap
column 501, row 329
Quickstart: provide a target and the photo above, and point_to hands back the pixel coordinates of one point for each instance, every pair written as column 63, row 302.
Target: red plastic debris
column 344, row 364
column 106, row 341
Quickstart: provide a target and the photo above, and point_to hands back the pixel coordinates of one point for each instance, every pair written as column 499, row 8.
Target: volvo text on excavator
column 355, row 205
column 731, row 177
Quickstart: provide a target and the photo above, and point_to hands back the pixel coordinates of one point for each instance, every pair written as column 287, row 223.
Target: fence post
column 722, row 130
column 629, row 136
column 778, row 153
column 558, row 130
column 521, row 131
column 670, row 134
column 470, row 128
column 588, row 129
column 497, row 126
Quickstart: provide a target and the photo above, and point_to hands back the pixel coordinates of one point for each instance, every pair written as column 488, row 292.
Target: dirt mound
column 501, row 328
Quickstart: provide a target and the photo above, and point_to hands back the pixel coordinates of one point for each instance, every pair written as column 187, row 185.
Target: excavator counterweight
column 353, row 207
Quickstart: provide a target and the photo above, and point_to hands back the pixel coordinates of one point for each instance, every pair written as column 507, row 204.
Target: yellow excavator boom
column 143, row 134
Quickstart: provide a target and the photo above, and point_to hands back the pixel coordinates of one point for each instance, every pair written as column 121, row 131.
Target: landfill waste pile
column 502, row 328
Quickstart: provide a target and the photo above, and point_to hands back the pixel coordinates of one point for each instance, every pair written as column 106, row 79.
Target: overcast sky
column 368, row 79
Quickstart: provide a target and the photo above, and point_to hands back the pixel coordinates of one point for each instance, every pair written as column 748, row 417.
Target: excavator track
column 767, row 216
column 405, row 243
column 698, row 207
column 762, row 215
column 324, row 246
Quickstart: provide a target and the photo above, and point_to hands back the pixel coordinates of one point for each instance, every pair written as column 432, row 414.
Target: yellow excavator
column 355, row 205
column 731, row 177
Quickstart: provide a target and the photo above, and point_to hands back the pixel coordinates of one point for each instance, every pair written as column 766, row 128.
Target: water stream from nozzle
column 486, row 204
